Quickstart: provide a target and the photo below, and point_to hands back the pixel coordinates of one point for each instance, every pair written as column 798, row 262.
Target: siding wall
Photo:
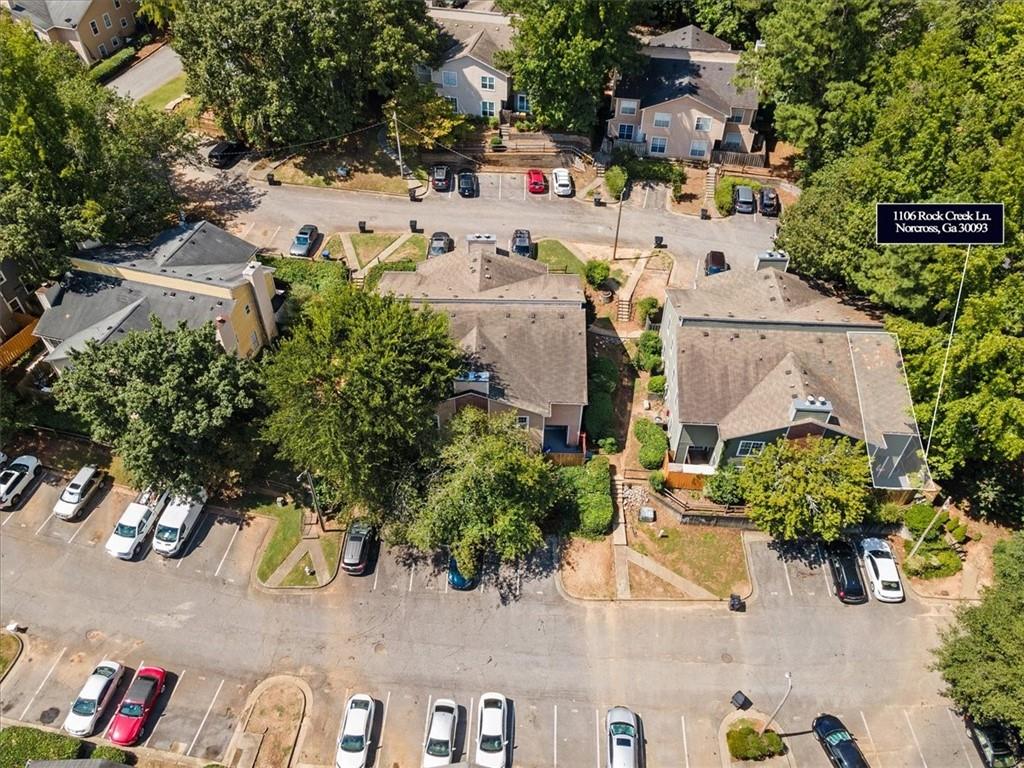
column 570, row 416
column 467, row 90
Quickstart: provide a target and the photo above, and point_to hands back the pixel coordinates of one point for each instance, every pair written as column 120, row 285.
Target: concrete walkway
column 685, row 586
column 315, row 551
column 383, row 255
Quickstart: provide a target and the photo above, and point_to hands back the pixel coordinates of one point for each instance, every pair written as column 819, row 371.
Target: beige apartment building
column 94, row 29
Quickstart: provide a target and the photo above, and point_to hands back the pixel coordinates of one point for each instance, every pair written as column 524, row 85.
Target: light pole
column 789, row 687
column 312, row 493
column 618, row 219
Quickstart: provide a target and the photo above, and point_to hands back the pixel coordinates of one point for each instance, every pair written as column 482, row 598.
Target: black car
column 846, row 580
column 468, row 186
column 838, row 743
column 355, row 553
column 521, row 244
column 226, row 153
column 993, row 745
column 440, row 244
column 715, row 262
column 768, row 202
column 441, row 178
column 743, row 199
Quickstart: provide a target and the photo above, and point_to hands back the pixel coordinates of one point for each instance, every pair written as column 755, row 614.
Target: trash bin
column 362, row 226
column 412, row 196
column 736, row 603
column 270, row 179
column 740, row 700
column 325, row 255
column 659, row 241
column 597, row 201
column 704, row 213
column 412, row 225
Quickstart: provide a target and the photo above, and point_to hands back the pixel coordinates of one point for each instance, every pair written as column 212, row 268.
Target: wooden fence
column 20, row 343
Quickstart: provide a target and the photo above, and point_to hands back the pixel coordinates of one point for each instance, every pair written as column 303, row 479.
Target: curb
column 258, row 585
column 743, row 714
column 253, row 697
column 14, row 661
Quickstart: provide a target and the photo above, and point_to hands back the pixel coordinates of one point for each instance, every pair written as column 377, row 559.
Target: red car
column 127, row 725
column 535, row 181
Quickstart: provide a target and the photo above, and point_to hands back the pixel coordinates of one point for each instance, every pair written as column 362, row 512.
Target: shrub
column 615, row 181
column 590, row 489
column 656, row 386
column 496, row 141
column 648, row 356
column 19, row 744
column 890, row 513
column 952, row 524
column 608, row 445
column 107, row 752
column 959, row 534
column 745, row 744
column 723, row 192
column 677, row 191
column 645, row 307
column 919, row 516
column 932, row 561
column 493, row 122
column 596, row 272
column 653, row 443
column 648, row 169
column 657, row 480
column 110, row 66
column 603, row 374
column 378, row 269
column 724, row 487
column 599, row 415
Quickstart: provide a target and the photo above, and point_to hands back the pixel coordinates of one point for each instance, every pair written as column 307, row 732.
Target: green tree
column 563, row 53
column 615, row 181
column 492, row 492
column 354, row 392
column 173, row 405
column 812, row 487
column 981, row 656
column 597, row 272
column 724, row 487
column 283, row 71
column 425, row 118
column 77, row 162
column 160, row 12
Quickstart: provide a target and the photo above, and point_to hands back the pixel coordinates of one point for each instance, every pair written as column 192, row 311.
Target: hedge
column 723, row 487
column 378, row 269
column 647, row 169
column 919, row 516
column 596, row 272
column 657, row 480
column 646, row 306
column 19, row 744
column 599, row 415
column 591, row 490
column 653, row 443
column 656, row 385
column 603, row 374
column 110, row 66
column 615, row 181
column 107, row 752
column 648, row 356
column 723, row 192
column 745, row 744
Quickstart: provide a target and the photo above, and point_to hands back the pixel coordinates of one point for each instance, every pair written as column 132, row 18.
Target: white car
column 94, row 697
column 78, row 492
column 439, row 745
column 561, row 182
column 491, row 735
column 623, row 738
column 880, row 566
column 354, row 736
column 135, row 524
column 16, row 479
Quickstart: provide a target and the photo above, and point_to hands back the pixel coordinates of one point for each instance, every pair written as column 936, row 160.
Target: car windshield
column 891, row 585
column 352, row 743
column 302, row 239
column 131, row 709
column 105, row 671
column 439, row 173
column 623, row 729
column 490, row 743
column 166, row 533
column 437, row 748
column 881, row 554
column 71, row 494
column 838, row 737
column 84, row 707
column 127, row 531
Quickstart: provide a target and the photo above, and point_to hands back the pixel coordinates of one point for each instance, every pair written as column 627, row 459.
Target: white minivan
column 176, row 523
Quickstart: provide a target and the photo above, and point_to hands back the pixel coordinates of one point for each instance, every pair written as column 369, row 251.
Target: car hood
column 490, row 759
column 79, row 725
column 64, row 509
column 119, row 545
column 350, row 759
column 124, row 730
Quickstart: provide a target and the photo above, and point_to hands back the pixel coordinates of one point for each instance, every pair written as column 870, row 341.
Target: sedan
column 468, row 185
column 226, row 153
column 456, row 580
column 535, row 181
column 137, row 705
column 623, row 738
column 880, row 566
column 561, row 182
column 78, row 492
column 355, row 554
column 521, row 243
column 439, row 746
column 304, row 242
column 839, row 745
column 93, row 699
column 992, row 744
column 16, row 479
column 354, row 736
column 440, row 244
column 847, row 584
column 491, row 735
column 441, row 178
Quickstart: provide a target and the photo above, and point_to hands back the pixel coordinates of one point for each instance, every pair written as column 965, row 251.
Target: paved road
column 149, row 74
column 402, row 636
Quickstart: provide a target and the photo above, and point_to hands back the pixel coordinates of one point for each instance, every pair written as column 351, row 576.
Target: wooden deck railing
column 18, row 344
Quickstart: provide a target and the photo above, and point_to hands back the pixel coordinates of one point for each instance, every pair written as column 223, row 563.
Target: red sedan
column 127, row 725
column 535, row 181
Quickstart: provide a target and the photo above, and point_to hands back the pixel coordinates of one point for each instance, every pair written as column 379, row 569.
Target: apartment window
column 124, row 23
column 93, row 27
column 437, row 422
column 626, row 131
column 523, row 422
column 117, row 3
column 732, row 141
column 522, row 103
column 247, row 310
column 659, row 144
column 115, row 41
column 15, row 305
column 698, row 149
column 103, row 50
column 453, row 101
column 449, row 79
column 486, row 83
column 254, row 340
column 750, row 447
column 106, row 21
column 627, row 107
column 736, row 116
column 3, row 278
column 702, row 124
column 662, row 119
column 487, row 108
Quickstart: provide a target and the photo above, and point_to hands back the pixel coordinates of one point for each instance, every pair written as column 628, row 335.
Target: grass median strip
column 163, row 95
column 558, row 257
column 9, row 646
column 368, row 245
column 297, row 576
column 413, row 249
column 286, row 536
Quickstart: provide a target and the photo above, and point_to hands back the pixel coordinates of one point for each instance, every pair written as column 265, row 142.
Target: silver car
column 78, row 492
column 93, row 699
column 623, row 738
column 304, row 243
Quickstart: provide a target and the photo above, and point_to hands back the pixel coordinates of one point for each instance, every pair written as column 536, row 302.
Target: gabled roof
column 479, row 35
column 47, row 14
column 691, row 37
column 705, row 76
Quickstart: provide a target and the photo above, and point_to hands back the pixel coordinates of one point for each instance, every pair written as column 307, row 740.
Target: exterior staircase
column 624, row 311
column 709, row 187
column 358, row 280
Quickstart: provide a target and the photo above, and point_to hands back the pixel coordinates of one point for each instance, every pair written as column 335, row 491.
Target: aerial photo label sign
column 939, row 223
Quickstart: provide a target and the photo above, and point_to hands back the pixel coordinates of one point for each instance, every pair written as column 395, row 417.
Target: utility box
column 646, row 514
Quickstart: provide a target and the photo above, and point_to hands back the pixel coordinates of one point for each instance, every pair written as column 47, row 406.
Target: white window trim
column 15, row 300
column 106, row 21
column 522, row 102
column 703, row 153
column 124, row 23
column 665, row 116
column 94, row 27
column 115, row 41
column 454, row 101
column 733, row 117
column 626, row 105
column 737, row 140
column 103, row 50
column 631, row 131
column 523, row 422
column 664, row 145
column 697, row 122
column 493, row 111
column 750, row 447
column 455, row 79
column 483, row 83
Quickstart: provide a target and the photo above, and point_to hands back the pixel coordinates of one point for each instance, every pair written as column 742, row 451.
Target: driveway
column 149, row 74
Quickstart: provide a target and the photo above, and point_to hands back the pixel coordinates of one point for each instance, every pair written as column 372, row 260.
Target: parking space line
column 376, row 573
column 40, row 528
column 383, row 722
column 270, row 241
column 32, row 700
column 469, row 730
column 647, row 192
column 177, row 684
column 225, row 555
column 208, row 710
column 686, row 751
column 8, row 516
column 554, row 759
column 412, row 572
column 426, row 722
column 789, row 584
column 499, row 186
column 956, row 730
column 597, row 737
column 871, row 738
column 916, row 742
column 248, row 229
column 78, row 530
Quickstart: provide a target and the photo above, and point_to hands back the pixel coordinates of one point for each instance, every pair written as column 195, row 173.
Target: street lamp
column 312, row 492
column 618, row 218
column 789, row 687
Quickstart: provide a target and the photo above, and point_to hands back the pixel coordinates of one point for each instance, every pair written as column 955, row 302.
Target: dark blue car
column 457, row 580
column 838, row 743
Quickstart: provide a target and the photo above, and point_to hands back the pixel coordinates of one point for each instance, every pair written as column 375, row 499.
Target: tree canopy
column 563, row 52
column 810, row 487
column 173, row 405
column 354, row 392
column 285, row 71
column 491, row 493
column 77, row 162
column 981, row 656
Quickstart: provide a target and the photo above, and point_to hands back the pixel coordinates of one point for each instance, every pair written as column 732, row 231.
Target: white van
column 176, row 523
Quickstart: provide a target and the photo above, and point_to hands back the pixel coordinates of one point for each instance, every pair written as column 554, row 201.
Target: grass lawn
column 370, row 244
column 165, row 94
column 286, row 536
column 558, row 257
column 9, row 646
column 330, row 543
column 370, row 170
column 711, row 557
column 297, row 576
column 413, row 249
column 335, row 247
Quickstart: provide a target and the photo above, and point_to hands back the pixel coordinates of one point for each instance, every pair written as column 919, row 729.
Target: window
column 732, row 141
column 522, row 103
column 662, row 119
column 627, row 107
column 702, row 124
column 453, row 101
column 15, row 305
column 106, row 21
column 103, row 50
column 247, row 310
column 698, row 149
column 523, row 422
column 750, row 447
column 626, row 132
column 124, row 23
column 486, row 83
column 487, row 108
column 115, row 41
column 117, row 3
column 449, row 79
column 254, row 340
column 736, row 116
column 658, row 145
column 93, row 27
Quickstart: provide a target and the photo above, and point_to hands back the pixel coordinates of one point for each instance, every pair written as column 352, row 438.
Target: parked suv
column 743, row 199
column 993, row 745
column 78, row 492
column 226, row 153
column 16, row 479
column 846, row 580
column 768, row 202
column 355, row 554
column 440, row 244
column 176, row 523
column 715, row 262
column 441, row 178
column 521, row 244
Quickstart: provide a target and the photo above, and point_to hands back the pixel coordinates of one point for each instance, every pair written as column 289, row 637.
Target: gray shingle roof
column 470, row 34
column 690, row 37
column 704, row 76
column 47, row 14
